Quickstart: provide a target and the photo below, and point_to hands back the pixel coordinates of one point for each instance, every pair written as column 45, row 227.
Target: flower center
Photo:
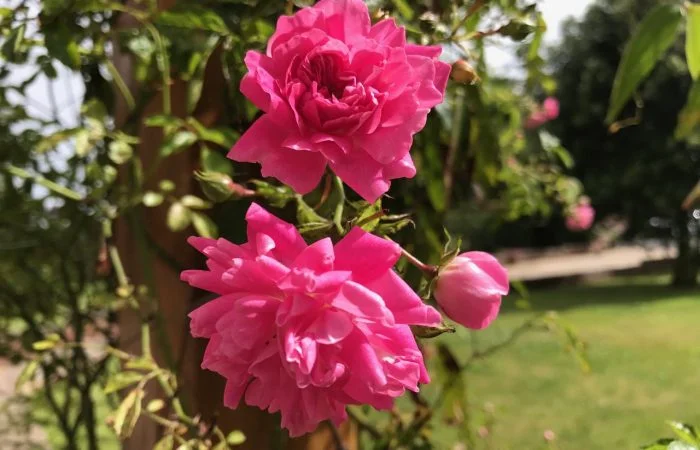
column 324, row 70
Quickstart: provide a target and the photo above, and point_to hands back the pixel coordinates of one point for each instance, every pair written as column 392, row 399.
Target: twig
column 365, row 424
column 337, row 438
column 476, row 6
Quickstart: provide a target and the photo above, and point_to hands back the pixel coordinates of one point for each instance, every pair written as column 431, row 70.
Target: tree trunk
column 685, row 269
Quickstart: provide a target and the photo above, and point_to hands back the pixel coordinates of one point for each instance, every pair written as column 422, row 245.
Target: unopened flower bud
column 463, row 72
column 219, row 187
column 470, row 287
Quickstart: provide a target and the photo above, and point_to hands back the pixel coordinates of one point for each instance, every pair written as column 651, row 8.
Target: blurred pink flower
column 551, row 108
column 581, row 218
column 470, row 287
column 339, row 91
column 308, row 329
column 548, row 112
column 536, row 120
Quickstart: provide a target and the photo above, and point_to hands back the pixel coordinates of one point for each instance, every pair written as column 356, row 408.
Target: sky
column 500, row 56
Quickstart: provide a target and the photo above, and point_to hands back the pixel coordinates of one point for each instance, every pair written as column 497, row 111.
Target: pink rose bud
column 581, row 219
column 551, row 108
column 470, row 287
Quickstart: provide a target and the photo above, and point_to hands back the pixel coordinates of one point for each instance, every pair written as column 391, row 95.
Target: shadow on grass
column 618, row 291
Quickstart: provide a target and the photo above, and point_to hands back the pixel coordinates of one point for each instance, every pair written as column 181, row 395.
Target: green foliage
column 640, row 171
column 692, row 39
column 651, row 39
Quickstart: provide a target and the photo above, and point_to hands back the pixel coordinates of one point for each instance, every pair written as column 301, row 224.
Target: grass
column 643, row 341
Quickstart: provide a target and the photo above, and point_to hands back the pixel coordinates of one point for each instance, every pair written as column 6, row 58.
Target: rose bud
column 469, row 289
column 463, row 72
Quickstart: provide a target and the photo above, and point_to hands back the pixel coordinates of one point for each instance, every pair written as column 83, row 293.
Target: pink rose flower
column 536, row 120
column 339, row 91
column 581, row 218
column 308, row 329
column 551, row 108
column 469, row 289
column 548, row 112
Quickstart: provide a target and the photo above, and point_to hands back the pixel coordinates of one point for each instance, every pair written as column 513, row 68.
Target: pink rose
column 581, row 218
column 338, row 91
column 551, row 108
column 548, row 112
column 470, row 287
column 308, row 329
column 536, row 120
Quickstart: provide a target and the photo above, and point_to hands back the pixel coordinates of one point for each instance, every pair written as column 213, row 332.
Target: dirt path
column 610, row 260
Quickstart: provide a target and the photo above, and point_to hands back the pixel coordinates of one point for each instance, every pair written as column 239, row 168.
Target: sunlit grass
column 644, row 348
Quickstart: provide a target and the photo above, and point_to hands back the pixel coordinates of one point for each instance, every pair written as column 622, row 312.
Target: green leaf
column 155, row 405
column 141, row 364
column 128, row 413
column 27, row 373
column 194, row 202
column 306, row 214
column 198, row 65
column 404, row 8
column 120, row 152
column 686, row 432
column 235, row 437
column 692, row 39
column 369, row 215
column 224, row 137
column 166, row 443
column 179, row 217
column 661, row 444
column 166, row 185
column 152, row 199
column 689, row 117
column 82, row 143
column 204, row 226
column 41, row 346
column 162, row 120
column 213, row 161
column 142, row 46
column 122, row 380
column 193, row 17
column 431, row 332
column 654, row 35
column 177, row 142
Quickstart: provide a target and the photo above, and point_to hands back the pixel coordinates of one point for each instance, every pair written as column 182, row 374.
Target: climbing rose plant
column 306, row 330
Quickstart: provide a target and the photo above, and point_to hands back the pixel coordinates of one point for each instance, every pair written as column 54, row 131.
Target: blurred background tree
column 639, row 170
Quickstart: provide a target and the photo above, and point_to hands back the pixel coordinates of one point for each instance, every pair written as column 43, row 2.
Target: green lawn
column 644, row 348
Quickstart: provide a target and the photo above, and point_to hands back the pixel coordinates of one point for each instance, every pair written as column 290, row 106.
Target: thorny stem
column 430, row 270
